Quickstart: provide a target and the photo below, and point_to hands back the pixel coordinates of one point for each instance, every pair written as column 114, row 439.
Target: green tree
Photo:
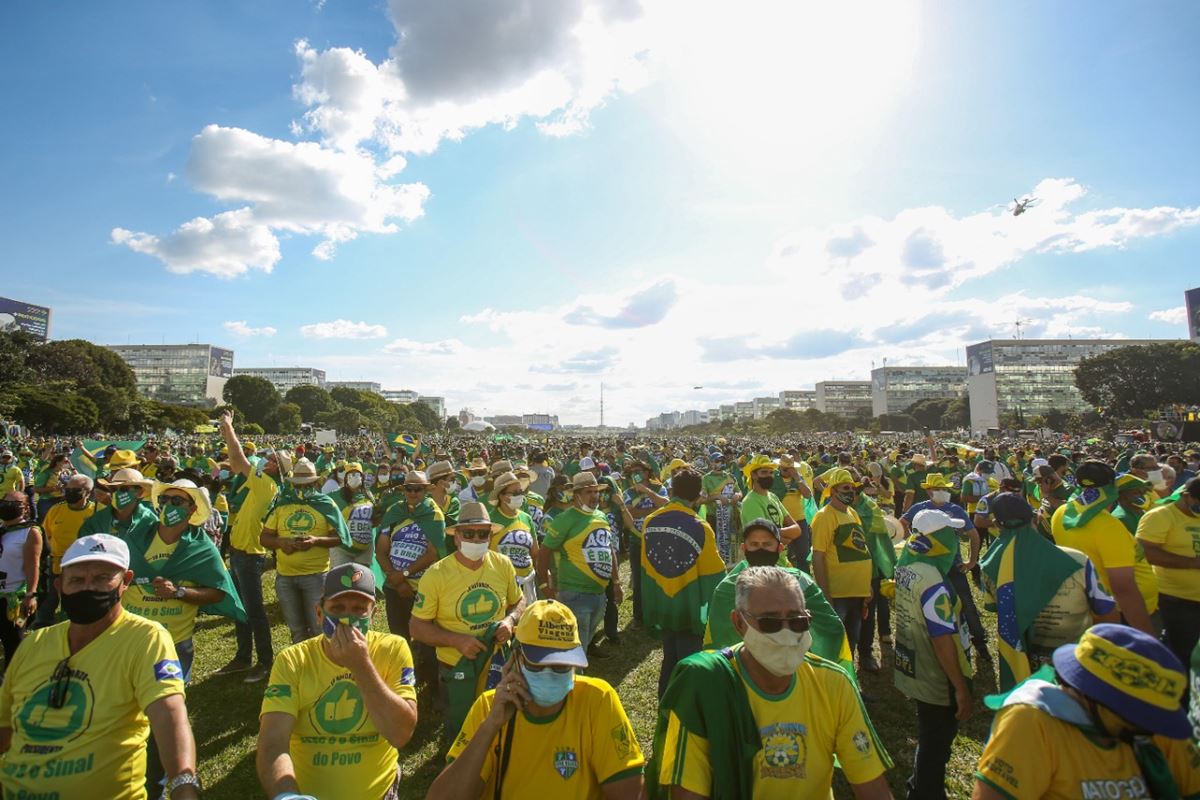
column 426, row 417
column 342, row 419
column 252, row 429
column 311, row 400
column 256, row 397
column 286, row 418
column 15, row 350
column 929, row 412
column 784, row 420
column 1129, row 381
column 958, row 414
column 89, row 369
column 55, row 410
column 905, row 423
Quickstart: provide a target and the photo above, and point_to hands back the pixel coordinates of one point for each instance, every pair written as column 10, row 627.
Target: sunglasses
column 475, row 534
column 60, row 684
column 414, row 489
column 529, row 665
column 174, row 500
column 797, row 624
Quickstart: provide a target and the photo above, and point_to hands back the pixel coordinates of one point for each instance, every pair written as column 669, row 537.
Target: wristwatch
column 180, row 592
column 405, row 573
column 183, row 779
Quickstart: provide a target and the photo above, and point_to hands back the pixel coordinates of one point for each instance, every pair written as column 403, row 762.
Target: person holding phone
column 545, row 731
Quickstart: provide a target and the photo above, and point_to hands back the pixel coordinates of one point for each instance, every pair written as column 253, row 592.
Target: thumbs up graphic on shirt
column 484, row 606
column 343, row 707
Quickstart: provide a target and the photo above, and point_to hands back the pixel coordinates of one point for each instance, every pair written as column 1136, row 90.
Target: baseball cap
column 931, row 520
column 549, row 635
column 97, row 547
column 763, row 524
column 1010, row 508
column 349, row 578
column 587, row 463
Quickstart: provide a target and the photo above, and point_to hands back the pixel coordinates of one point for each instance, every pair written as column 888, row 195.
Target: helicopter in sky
column 1019, row 207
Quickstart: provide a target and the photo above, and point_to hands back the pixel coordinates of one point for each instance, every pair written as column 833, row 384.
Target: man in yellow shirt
column 11, row 477
column 1170, row 536
column 545, row 731
column 81, row 697
column 339, row 705
column 768, row 695
column 841, row 561
column 247, row 557
column 62, row 525
column 465, row 603
column 301, row 527
column 1084, row 523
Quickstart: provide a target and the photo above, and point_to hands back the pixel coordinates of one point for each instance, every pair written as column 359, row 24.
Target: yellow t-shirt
column 1178, row 534
column 261, row 490
column 62, row 526
column 514, row 540
column 1108, row 544
column 819, row 715
column 95, row 745
column 293, row 520
column 335, row 747
column 839, row 536
column 11, row 480
column 589, row 742
column 1032, row 754
column 178, row 617
column 464, row 600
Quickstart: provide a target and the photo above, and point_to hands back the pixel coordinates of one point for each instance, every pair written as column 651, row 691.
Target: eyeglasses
column 174, row 500
column 60, row 684
column 796, row 624
column 475, row 534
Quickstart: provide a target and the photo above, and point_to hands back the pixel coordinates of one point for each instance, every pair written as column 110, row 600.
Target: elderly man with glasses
column 80, row 699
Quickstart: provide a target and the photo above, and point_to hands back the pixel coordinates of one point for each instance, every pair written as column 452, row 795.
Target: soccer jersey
column 583, row 546
column 515, row 539
column 95, row 745
column 260, row 490
column 1177, row 533
column 464, row 600
column 292, row 521
column 335, row 747
column 11, row 480
column 840, row 537
column 1079, row 600
column 818, row 716
column 62, row 526
column 178, row 617
column 1105, row 541
column 763, row 506
column 926, row 607
column 589, row 742
column 974, row 487
column 1032, row 754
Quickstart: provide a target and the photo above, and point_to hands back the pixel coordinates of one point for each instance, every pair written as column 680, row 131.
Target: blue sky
column 507, row 204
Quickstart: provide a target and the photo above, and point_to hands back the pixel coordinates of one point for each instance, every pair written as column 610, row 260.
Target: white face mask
column 478, row 480
column 780, row 653
column 383, row 477
column 1155, row 476
column 586, row 508
column 474, row 551
column 516, row 501
column 354, row 480
column 939, row 497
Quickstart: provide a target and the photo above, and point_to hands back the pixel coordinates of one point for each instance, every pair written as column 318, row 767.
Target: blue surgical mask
column 549, row 687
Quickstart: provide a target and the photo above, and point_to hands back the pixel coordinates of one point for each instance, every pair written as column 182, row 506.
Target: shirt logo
column 408, row 676
column 278, row 690
column 340, row 710
column 168, row 670
column 785, row 751
column 566, row 762
column 479, row 605
column 861, row 743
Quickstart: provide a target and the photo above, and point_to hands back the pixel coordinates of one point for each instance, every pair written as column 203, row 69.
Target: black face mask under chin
column 86, row 607
column 765, row 482
column 762, row 558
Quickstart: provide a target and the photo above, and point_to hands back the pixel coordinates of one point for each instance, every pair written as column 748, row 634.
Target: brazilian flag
column 681, row 568
column 404, row 441
column 1086, row 503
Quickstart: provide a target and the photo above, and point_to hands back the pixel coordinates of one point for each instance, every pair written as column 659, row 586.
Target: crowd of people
column 773, row 573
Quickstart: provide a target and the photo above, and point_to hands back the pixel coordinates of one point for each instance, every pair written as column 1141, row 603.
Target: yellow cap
column 549, row 635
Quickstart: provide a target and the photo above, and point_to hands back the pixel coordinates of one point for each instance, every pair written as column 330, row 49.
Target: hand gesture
column 468, row 645
column 504, row 630
column 511, row 693
column 163, row 588
column 348, row 648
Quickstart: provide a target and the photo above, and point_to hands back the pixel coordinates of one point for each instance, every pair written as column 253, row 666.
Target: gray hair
column 753, row 578
column 1169, row 473
column 83, row 480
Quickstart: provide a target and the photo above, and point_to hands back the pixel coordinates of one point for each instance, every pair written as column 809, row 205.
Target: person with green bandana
column 129, row 510
column 1131, row 501
column 340, row 705
column 1083, row 728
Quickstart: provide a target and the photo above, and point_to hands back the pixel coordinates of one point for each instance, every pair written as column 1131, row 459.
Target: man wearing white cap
column 81, row 697
column 339, row 705
column 545, row 731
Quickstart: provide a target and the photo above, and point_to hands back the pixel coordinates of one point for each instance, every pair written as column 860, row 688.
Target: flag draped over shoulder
column 1086, row 503
column 195, row 559
column 323, row 504
column 879, row 538
column 1022, row 572
column 680, row 569
column 404, row 441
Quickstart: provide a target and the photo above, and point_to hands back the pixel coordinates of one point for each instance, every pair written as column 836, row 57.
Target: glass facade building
column 844, row 398
column 184, row 374
column 893, row 389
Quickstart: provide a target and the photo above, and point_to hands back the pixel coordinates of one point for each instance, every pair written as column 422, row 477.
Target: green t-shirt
column 583, row 547
column 925, row 608
column 913, row 484
column 768, row 506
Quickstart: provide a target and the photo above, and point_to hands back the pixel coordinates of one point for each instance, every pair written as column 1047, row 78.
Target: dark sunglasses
column 60, row 684
column 473, row 534
column 414, row 489
column 529, row 665
column 797, row 624
column 174, row 500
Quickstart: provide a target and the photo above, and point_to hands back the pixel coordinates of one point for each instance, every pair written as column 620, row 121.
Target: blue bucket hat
column 1131, row 673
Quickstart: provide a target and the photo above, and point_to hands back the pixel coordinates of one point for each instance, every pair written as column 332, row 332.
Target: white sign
column 326, row 437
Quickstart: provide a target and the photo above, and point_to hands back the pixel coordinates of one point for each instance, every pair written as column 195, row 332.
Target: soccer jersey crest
column 566, row 762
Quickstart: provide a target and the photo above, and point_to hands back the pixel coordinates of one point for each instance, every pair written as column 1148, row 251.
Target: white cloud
column 343, row 329
column 226, row 245
column 445, row 347
column 240, row 328
column 1171, row 316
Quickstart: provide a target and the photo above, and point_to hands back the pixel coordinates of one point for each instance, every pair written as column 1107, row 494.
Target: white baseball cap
column 98, row 547
column 931, row 520
column 587, row 463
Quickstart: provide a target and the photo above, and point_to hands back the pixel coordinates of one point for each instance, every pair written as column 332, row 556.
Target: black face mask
column 765, row 482
column 762, row 558
column 86, row 607
column 74, row 496
column 11, row 510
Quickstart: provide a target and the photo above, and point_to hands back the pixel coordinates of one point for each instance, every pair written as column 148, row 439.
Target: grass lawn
column 224, row 711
